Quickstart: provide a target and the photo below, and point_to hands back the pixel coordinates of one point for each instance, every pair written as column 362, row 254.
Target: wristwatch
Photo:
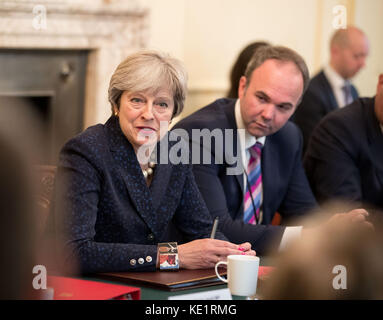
column 168, row 256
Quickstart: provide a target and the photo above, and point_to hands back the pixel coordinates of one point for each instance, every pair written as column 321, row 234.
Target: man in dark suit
column 345, row 154
column 268, row 94
column 331, row 88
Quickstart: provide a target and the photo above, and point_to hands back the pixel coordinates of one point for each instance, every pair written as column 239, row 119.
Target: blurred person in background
column 18, row 234
column 339, row 260
column 331, row 88
column 19, row 237
column 24, row 205
column 344, row 159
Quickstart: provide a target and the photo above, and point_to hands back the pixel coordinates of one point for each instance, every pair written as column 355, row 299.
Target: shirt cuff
column 290, row 235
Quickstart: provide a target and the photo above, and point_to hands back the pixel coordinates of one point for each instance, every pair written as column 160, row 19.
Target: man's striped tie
column 252, row 202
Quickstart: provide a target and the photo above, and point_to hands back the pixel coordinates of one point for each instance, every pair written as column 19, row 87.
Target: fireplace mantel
column 110, row 30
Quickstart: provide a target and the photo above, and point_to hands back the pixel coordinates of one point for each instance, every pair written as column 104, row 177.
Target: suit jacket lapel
column 130, row 172
column 354, row 92
column 230, row 115
column 374, row 136
column 161, row 177
column 329, row 93
column 270, row 174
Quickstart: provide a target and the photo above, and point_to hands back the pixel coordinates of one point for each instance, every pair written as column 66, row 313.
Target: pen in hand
column 214, row 229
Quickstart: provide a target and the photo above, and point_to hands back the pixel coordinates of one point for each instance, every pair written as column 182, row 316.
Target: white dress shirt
column 245, row 142
column 336, row 83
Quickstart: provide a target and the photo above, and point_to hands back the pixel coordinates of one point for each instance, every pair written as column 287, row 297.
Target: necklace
column 149, row 171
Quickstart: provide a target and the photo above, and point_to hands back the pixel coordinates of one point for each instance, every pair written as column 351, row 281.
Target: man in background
column 344, row 159
column 331, row 88
column 268, row 151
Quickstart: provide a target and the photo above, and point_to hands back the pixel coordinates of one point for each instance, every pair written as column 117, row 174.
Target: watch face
column 168, row 260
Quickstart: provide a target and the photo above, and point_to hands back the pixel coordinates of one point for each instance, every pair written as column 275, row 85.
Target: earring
column 116, row 113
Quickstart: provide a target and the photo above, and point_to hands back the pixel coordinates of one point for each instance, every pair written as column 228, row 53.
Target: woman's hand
column 246, row 248
column 205, row 253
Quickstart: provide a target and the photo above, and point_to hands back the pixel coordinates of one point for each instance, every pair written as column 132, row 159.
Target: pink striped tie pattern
column 252, row 202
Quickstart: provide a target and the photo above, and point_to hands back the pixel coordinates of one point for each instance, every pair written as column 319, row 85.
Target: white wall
column 208, row 35
column 167, row 26
column 369, row 17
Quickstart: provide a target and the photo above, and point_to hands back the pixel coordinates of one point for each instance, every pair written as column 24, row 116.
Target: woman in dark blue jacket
column 113, row 203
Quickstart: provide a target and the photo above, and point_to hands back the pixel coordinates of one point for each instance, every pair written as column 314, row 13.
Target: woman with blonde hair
column 118, row 210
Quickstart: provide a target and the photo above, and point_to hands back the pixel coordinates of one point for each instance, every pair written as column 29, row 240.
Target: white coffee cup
column 242, row 274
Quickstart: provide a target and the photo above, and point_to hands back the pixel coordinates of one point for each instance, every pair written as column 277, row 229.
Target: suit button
column 141, row 261
column 148, row 259
column 133, row 262
column 150, row 237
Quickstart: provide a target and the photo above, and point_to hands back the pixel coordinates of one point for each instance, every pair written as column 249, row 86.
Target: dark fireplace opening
column 38, row 134
column 41, row 105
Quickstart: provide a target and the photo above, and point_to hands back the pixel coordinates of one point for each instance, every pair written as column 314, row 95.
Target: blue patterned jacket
column 110, row 217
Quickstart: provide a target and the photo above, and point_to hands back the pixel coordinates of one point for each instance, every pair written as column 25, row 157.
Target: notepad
column 170, row 281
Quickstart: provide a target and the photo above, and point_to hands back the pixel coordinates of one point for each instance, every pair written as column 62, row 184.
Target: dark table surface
column 148, row 293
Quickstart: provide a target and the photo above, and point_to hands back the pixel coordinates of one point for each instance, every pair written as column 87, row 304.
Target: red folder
column 76, row 289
